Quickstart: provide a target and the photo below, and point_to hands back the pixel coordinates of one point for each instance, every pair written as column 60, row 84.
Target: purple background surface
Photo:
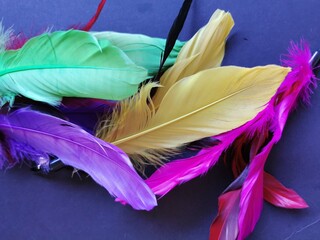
column 61, row 207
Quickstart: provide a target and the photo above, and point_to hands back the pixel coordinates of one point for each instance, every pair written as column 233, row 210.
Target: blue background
column 61, row 207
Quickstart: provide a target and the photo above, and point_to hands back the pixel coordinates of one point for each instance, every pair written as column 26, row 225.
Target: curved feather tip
column 106, row 164
column 280, row 196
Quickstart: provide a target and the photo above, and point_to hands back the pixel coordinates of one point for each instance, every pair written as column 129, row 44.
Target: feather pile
column 90, row 100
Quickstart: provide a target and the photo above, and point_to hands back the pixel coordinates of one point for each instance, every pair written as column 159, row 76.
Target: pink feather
column 183, row 170
column 17, row 41
column 296, row 85
column 269, row 122
column 251, row 198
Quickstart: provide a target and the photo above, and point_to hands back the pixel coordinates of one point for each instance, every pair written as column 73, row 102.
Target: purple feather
column 13, row 153
column 105, row 163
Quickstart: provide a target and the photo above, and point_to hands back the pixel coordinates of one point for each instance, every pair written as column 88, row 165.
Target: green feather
column 143, row 50
column 68, row 64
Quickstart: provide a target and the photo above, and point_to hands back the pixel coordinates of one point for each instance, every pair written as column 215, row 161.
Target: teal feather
column 68, row 64
column 143, row 50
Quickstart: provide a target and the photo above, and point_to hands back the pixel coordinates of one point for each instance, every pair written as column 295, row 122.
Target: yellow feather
column 203, row 51
column 208, row 103
column 129, row 116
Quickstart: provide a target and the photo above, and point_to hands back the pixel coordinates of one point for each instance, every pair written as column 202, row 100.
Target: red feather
column 18, row 40
column 225, row 225
column 277, row 194
column 93, row 20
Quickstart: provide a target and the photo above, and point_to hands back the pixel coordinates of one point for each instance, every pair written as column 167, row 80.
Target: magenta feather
column 296, row 85
column 268, row 123
column 106, row 164
column 251, row 198
column 278, row 195
column 179, row 171
column 182, row 170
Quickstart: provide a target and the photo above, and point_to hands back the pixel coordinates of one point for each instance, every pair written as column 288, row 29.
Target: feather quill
column 204, row 50
column 105, row 163
column 173, row 34
column 68, row 64
column 184, row 117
